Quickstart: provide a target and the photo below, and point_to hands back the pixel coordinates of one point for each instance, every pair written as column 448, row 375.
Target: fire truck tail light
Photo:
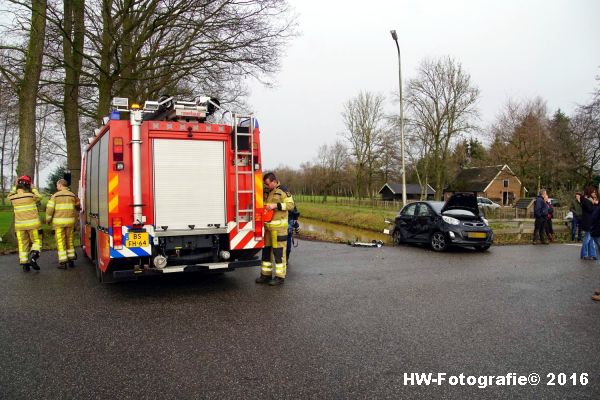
column 118, row 150
column 117, row 234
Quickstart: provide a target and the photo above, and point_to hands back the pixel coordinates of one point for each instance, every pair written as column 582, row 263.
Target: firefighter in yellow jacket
column 280, row 200
column 27, row 222
column 61, row 212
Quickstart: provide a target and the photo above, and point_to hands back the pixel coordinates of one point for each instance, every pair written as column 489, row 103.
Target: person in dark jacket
column 540, row 213
column 576, row 221
column 549, row 227
column 588, row 251
column 293, row 228
column 595, row 235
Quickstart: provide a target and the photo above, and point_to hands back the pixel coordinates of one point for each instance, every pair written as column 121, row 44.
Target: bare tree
column 363, row 117
column 441, row 104
column 331, row 160
column 520, row 139
column 24, row 75
column 585, row 126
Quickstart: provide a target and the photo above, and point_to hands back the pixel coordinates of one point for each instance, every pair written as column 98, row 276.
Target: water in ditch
column 342, row 232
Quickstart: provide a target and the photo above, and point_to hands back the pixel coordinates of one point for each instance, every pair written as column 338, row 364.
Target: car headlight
column 450, row 220
column 485, row 221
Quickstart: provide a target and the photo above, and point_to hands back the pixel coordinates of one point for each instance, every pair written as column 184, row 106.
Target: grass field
column 362, row 217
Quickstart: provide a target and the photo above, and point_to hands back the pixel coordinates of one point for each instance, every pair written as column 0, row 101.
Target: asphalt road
column 348, row 323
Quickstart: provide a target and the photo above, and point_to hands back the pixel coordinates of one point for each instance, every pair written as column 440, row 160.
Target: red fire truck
column 165, row 190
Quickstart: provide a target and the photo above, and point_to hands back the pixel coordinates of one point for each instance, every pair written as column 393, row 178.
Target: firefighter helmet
column 25, row 180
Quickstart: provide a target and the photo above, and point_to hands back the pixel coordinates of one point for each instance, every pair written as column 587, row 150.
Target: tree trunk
column 28, row 88
column 27, row 94
column 2, row 161
column 73, row 50
column 105, row 79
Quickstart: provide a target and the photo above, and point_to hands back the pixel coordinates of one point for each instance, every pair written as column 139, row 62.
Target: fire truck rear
column 164, row 190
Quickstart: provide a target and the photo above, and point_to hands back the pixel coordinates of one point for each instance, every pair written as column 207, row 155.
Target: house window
column 505, row 183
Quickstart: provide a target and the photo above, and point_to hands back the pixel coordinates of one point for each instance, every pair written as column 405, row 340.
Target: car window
column 409, row 210
column 423, row 211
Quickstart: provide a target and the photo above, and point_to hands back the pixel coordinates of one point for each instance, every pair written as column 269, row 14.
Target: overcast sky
column 511, row 49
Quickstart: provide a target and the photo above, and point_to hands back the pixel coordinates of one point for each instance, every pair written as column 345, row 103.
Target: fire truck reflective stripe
column 253, row 243
column 127, row 252
column 113, row 202
column 113, row 183
column 245, row 240
column 258, row 184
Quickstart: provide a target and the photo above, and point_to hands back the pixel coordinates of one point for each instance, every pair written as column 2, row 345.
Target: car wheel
column 438, row 241
column 398, row 239
column 483, row 248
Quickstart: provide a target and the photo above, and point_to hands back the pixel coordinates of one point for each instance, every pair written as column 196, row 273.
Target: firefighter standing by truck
column 280, row 200
column 61, row 212
column 24, row 199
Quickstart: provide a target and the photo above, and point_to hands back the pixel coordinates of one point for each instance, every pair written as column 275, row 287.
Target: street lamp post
column 395, row 37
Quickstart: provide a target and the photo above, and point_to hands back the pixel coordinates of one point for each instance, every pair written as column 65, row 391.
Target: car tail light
column 117, row 234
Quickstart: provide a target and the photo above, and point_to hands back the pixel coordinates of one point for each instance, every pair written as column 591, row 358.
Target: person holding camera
column 293, row 228
column 24, row 200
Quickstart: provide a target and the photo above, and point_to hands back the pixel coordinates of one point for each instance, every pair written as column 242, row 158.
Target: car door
column 423, row 221
column 405, row 222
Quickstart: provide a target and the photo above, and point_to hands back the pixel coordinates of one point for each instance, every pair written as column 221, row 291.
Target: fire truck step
column 245, row 191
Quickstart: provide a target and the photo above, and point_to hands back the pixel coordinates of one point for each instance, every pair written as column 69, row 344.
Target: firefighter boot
column 62, row 265
column 71, row 263
column 277, row 281
column 33, row 256
column 25, row 267
column 263, row 279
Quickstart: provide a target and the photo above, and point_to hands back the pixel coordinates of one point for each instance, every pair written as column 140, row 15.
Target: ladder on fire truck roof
column 239, row 157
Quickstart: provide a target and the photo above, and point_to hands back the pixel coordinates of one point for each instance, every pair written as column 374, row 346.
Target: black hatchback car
column 456, row 222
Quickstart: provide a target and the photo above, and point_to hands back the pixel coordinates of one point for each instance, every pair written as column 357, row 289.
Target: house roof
column 476, row 179
column 411, row 188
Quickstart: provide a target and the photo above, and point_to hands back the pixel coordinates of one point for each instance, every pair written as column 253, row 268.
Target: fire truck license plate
column 137, row 239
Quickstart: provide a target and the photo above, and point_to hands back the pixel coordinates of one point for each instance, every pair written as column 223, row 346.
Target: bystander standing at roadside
column 595, row 235
column 540, row 213
column 575, row 209
column 588, row 250
column 549, row 227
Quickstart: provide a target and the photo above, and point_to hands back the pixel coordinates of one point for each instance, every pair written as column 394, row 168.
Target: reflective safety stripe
column 63, row 221
column 64, row 207
column 280, row 223
column 280, row 270
column 266, row 268
column 29, row 222
column 26, row 207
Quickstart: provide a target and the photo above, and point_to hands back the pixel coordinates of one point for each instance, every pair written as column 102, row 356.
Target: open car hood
column 462, row 201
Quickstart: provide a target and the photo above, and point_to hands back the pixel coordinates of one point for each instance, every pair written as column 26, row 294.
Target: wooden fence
column 501, row 213
column 519, row 226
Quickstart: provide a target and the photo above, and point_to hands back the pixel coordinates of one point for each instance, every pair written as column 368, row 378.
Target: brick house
column 498, row 183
